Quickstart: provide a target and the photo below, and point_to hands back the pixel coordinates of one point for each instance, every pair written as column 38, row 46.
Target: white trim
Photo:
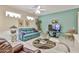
column 78, row 22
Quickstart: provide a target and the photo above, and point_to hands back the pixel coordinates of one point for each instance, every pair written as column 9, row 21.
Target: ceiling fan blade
column 38, row 7
column 42, row 9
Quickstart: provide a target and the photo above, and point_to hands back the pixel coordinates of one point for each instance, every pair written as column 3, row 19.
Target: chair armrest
column 37, row 51
column 31, row 51
column 17, row 48
column 2, row 40
column 65, row 45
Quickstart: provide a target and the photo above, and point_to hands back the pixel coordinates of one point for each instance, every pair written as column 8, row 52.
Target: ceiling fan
column 38, row 9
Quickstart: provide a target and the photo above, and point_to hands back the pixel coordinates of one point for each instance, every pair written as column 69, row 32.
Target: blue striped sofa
column 28, row 33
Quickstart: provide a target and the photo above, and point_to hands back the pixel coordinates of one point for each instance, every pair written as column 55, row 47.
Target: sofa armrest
column 17, row 48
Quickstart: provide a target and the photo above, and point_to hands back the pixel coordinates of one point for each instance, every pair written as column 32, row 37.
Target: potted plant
column 38, row 23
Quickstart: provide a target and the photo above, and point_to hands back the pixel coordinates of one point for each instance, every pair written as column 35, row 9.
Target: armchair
column 5, row 47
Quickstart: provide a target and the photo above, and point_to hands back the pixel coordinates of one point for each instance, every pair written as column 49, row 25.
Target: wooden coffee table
column 44, row 43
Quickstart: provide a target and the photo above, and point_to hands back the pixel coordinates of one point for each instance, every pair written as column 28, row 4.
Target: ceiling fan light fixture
column 37, row 12
column 38, row 7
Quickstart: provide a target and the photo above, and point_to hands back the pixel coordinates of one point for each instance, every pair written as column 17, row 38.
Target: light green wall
column 67, row 19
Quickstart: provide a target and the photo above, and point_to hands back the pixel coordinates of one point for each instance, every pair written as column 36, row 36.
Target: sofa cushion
column 29, row 32
column 27, row 35
column 26, row 32
column 35, row 30
column 26, row 29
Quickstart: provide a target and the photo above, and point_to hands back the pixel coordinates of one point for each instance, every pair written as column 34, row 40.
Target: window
column 30, row 18
column 12, row 14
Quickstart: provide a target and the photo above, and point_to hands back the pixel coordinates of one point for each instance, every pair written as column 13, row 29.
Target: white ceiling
column 49, row 8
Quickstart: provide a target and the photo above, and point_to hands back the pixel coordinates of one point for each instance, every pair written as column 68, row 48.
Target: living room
column 26, row 28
